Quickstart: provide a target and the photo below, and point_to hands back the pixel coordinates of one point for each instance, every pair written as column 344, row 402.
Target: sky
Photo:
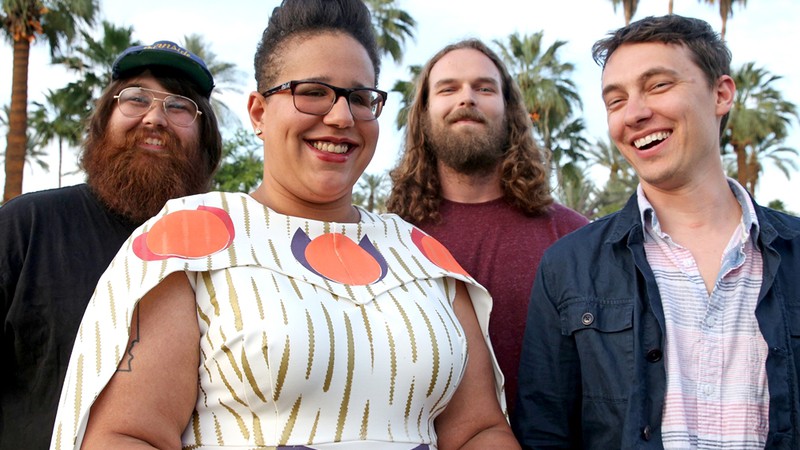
column 764, row 31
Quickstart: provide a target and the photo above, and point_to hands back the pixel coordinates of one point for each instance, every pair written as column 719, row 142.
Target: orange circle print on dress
column 436, row 252
column 338, row 258
column 187, row 234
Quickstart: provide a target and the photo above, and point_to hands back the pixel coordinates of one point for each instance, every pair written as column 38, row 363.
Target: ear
column 726, row 92
column 255, row 108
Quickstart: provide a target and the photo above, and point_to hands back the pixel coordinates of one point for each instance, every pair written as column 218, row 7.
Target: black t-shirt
column 54, row 245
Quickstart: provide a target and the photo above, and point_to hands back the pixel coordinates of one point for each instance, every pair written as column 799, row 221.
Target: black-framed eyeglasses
column 137, row 101
column 317, row 98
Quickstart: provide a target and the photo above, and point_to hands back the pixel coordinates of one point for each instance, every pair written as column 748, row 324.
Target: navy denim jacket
column 592, row 372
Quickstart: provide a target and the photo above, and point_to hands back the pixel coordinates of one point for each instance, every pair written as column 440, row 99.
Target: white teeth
column 659, row 136
column 331, row 147
column 153, row 141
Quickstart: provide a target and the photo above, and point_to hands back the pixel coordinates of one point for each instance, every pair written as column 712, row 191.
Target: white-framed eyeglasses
column 136, row 101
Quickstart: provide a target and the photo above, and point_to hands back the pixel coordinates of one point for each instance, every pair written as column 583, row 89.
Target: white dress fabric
column 314, row 334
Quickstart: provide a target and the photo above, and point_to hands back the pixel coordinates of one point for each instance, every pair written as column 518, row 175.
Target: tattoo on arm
column 127, row 359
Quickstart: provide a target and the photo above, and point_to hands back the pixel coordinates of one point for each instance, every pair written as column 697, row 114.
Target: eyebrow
column 659, row 70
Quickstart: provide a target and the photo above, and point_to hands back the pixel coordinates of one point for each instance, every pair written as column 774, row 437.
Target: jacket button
column 587, row 319
column 654, row 355
column 646, row 433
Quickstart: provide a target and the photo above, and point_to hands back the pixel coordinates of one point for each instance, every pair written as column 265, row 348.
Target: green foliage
column 227, row 78
column 34, row 153
column 778, row 205
column 549, row 93
column 371, row 192
column 392, row 27
column 59, row 119
column 22, row 22
column 242, row 166
column 407, row 89
column 628, row 8
column 758, row 125
column 725, row 11
column 91, row 62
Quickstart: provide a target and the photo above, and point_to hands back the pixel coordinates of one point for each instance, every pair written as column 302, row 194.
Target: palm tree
column 58, row 21
column 372, row 191
column 629, row 8
column 760, row 116
column 772, row 149
column 549, row 94
column 226, row 78
column 578, row 193
column 621, row 183
column 407, row 89
column 242, row 165
column 33, row 153
column 59, row 119
column 68, row 108
column 392, row 27
column 93, row 60
column 606, row 155
column 568, row 152
column 725, row 11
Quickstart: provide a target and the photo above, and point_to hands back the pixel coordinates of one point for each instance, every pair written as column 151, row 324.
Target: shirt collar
column 750, row 225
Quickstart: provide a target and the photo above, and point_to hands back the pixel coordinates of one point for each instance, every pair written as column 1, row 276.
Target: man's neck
column 462, row 188
column 700, row 218
column 710, row 204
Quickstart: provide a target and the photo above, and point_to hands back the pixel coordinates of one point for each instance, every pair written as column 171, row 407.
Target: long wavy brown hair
column 416, row 190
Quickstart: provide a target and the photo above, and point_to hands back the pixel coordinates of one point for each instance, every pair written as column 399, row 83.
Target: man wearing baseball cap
column 152, row 136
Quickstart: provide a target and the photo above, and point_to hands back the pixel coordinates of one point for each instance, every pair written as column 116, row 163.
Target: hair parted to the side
column 708, row 50
column 416, row 189
column 174, row 81
column 302, row 18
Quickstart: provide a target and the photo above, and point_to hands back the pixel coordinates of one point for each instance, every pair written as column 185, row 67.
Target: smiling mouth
column 330, row 147
column 154, row 141
column 651, row 140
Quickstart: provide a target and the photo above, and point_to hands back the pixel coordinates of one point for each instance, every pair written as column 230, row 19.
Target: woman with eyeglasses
column 288, row 318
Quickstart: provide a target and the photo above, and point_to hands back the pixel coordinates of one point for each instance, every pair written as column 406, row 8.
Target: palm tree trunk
column 741, row 163
column 17, row 138
column 60, row 159
column 724, row 27
column 670, row 6
column 752, row 172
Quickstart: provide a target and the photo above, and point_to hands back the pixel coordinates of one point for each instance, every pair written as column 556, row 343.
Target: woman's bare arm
column 150, row 399
column 473, row 418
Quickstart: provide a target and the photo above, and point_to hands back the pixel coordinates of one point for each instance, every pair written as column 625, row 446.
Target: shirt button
column 654, row 355
column 646, row 433
column 587, row 319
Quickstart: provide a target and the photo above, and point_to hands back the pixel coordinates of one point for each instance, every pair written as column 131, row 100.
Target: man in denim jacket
column 672, row 323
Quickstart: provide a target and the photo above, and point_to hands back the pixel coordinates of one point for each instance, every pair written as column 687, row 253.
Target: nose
column 466, row 96
column 636, row 110
column 156, row 115
column 340, row 116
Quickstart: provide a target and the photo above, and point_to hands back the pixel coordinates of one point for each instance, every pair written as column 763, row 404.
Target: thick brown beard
column 469, row 153
column 136, row 183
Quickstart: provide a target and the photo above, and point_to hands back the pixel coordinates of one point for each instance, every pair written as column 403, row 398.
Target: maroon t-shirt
column 501, row 248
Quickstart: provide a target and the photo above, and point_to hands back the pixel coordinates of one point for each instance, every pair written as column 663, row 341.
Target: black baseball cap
column 168, row 54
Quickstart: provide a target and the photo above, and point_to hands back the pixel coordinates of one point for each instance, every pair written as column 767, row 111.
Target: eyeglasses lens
column 318, row 99
column 136, row 102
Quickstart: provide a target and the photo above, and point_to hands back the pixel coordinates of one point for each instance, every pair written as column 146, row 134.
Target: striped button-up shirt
column 716, row 394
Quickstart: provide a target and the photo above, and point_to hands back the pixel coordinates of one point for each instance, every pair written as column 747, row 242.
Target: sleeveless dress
column 314, row 335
